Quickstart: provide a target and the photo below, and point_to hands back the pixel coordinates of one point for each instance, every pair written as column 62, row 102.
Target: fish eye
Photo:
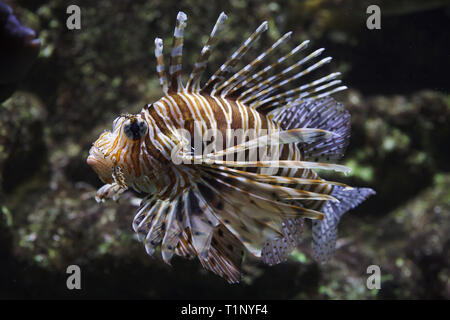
column 135, row 129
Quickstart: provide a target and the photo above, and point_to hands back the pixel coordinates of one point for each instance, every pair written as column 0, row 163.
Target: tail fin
column 324, row 232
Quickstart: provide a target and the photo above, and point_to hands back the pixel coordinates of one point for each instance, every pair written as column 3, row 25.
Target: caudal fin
column 324, row 232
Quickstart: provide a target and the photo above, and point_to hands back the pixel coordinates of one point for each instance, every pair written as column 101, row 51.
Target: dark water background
column 400, row 105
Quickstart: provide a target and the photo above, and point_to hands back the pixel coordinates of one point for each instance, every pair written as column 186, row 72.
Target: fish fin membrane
column 188, row 227
column 150, row 222
column 249, row 219
column 324, row 232
column 253, row 211
column 224, row 257
column 325, row 114
column 109, row 191
column 277, row 250
column 202, row 221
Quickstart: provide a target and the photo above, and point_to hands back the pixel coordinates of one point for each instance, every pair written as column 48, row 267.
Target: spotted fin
column 188, row 226
column 278, row 250
column 253, row 211
column 144, row 216
column 324, row 232
column 325, row 114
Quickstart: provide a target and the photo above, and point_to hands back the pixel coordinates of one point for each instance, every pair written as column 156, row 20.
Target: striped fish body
column 228, row 167
column 146, row 164
column 227, row 116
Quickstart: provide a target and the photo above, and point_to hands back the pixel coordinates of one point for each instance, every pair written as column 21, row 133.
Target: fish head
column 114, row 155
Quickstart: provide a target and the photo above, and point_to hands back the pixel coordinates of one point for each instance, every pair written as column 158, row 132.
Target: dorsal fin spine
column 261, row 95
column 282, row 97
column 176, row 54
column 240, row 76
column 200, row 66
column 260, row 75
column 160, row 69
column 227, row 67
column 270, row 81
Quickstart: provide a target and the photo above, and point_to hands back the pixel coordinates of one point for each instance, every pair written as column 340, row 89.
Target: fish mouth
column 101, row 164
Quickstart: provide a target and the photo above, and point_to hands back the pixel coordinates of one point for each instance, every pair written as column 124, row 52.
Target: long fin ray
column 280, row 179
column 245, row 86
column 274, row 85
column 176, row 55
column 280, row 193
column 193, row 83
column 237, row 212
column 228, row 66
column 225, row 87
column 271, row 164
column 160, row 68
column 298, row 135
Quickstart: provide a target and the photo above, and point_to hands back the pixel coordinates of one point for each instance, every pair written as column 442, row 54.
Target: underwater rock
column 22, row 146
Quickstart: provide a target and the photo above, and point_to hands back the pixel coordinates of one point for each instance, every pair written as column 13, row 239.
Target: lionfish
column 215, row 208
